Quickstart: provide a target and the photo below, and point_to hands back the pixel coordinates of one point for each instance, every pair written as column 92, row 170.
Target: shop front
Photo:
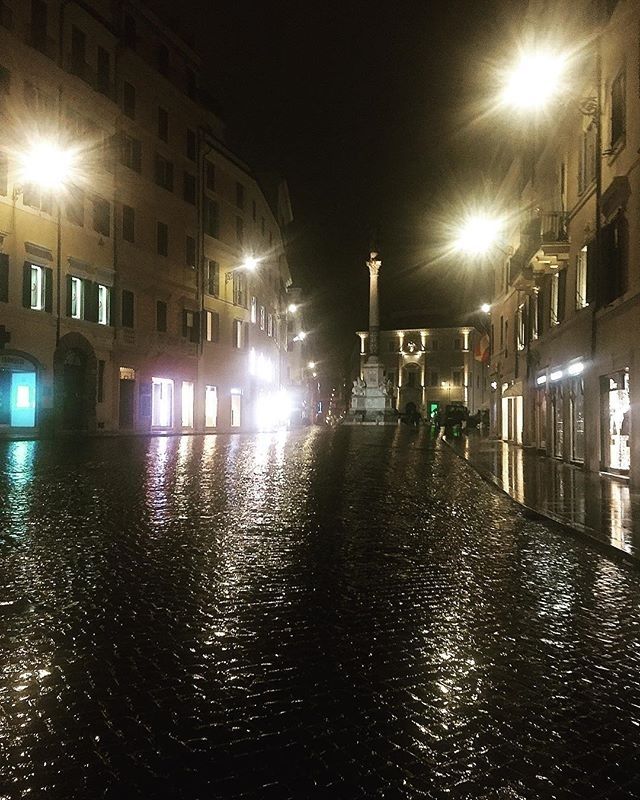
column 615, row 404
column 18, row 391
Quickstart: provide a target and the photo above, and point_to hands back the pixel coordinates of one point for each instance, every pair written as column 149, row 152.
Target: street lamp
column 478, row 234
column 485, row 308
column 534, row 80
column 51, row 166
column 249, row 264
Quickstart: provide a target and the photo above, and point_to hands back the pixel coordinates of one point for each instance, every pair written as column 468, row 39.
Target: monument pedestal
column 370, row 403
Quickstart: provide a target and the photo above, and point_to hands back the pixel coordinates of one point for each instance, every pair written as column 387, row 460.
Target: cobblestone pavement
column 349, row 613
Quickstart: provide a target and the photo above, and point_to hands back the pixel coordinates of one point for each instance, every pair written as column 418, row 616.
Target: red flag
column 482, row 350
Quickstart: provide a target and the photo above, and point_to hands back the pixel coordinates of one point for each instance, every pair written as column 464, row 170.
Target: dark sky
column 369, row 110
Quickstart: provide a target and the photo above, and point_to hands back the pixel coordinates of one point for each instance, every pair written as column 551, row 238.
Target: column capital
column 374, row 263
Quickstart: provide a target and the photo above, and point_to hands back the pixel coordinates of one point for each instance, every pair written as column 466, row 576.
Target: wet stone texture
column 319, row 614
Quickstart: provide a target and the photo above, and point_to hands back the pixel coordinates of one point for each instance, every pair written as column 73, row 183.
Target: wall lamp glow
column 541, row 380
column 556, row 375
column 575, row 369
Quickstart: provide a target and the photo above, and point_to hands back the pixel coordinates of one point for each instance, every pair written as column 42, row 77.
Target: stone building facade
column 566, row 296
column 425, row 369
column 125, row 299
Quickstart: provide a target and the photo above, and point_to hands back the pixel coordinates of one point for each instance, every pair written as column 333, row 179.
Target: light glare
column 478, row 234
column 534, row 81
column 47, row 165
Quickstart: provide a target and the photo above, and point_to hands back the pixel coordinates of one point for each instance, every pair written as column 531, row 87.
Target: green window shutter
column 26, row 285
column 48, row 289
column 69, row 278
column 4, row 277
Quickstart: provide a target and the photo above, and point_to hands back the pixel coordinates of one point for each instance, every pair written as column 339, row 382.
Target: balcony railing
column 554, row 227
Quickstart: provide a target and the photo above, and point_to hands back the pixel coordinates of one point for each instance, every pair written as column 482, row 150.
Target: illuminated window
column 210, row 406
column 187, row 404
column 104, row 305
column 270, row 325
column 37, row 288
column 254, row 309
column 76, row 298
column 236, row 408
column 262, row 317
column 581, row 279
column 237, row 334
column 162, row 403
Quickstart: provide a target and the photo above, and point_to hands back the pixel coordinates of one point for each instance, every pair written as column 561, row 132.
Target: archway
column 74, row 369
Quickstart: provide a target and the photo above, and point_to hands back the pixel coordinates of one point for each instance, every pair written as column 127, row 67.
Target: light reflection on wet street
column 324, row 613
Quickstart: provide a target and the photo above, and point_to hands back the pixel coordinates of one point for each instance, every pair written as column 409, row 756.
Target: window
column 212, row 278
column 262, row 317
column 4, row 173
column 191, row 145
column 210, row 176
column 78, row 52
column 553, row 300
column 131, row 152
column 127, row 309
column 35, row 197
column 161, row 316
column 164, row 173
column 210, row 406
column 212, row 326
column 4, row 278
column 37, row 288
column 74, row 205
column 190, row 325
column 236, row 407
column 129, row 100
column 211, row 219
column 240, row 289
column 77, row 309
column 581, row 279
column 239, row 230
column 190, row 251
column 162, row 403
column 239, row 195
column 254, row 309
column 104, row 305
column 270, row 325
column 162, row 239
column 192, row 82
column 521, row 327
column 237, row 334
column 618, row 110
column 103, row 77
column 189, row 188
column 129, row 33
column 587, row 159
column 163, row 124
column 162, row 59
column 5, row 80
column 101, row 216
column 187, row 404
column 128, row 223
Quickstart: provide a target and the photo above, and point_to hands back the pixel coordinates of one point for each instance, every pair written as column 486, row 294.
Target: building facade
column 126, row 297
column 566, row 307
column 425, row 369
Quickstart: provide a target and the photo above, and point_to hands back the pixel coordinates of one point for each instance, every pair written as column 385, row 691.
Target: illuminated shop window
column 187, row 404
column 210, row 406
column 236, row 407
column 162, row 403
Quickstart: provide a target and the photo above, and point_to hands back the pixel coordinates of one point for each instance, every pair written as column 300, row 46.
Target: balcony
column 554, row 241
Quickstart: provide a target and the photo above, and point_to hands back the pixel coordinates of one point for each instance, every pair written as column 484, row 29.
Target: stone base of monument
column 371, row 405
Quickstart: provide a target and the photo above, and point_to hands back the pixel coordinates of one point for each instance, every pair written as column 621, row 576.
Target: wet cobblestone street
column 348, row 613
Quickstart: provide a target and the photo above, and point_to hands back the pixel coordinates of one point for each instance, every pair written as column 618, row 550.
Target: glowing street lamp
column 535, row 80
column 312, row 365
column 292, row 308
column 478, row 234
column 47, row 164
column 485, row 308
column 248, row 264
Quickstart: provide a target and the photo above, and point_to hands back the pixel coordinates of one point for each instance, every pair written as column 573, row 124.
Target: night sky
column 375, row 112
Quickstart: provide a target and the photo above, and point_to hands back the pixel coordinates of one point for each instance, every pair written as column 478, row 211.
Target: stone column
column 374, row 264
